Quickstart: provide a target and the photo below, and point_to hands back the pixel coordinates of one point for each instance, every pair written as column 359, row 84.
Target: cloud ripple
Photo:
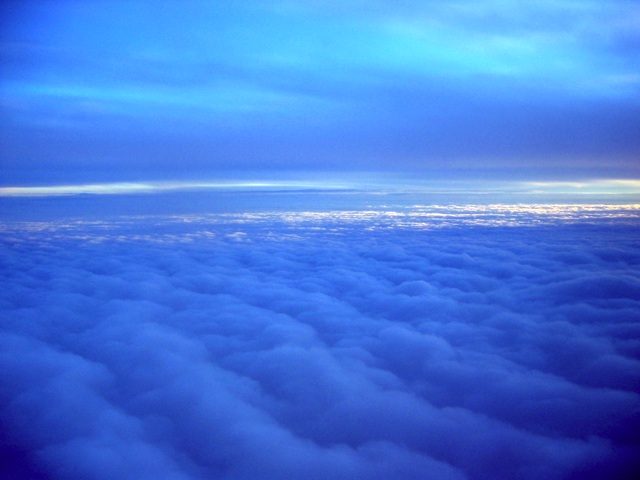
column 461, row 352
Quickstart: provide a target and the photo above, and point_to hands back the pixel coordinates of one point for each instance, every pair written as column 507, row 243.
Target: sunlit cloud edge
column 598, row 187
column 157, row 187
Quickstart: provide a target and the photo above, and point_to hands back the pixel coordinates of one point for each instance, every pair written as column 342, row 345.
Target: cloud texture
column 237, row 350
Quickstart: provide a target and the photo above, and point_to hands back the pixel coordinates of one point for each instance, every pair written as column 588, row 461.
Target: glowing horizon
column 584, row 187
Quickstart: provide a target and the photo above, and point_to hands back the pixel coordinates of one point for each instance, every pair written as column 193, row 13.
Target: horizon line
column 604, row 187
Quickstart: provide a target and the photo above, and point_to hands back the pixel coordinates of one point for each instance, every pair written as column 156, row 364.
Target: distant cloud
column 124, row 188
column 368, row 183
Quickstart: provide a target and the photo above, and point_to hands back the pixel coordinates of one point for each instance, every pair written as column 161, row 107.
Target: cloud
column 147, row 350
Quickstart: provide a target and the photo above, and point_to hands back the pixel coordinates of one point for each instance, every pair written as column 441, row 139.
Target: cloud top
column 151, row 350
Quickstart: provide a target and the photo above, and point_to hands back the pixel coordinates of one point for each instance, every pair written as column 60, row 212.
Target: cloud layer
column 347, row 351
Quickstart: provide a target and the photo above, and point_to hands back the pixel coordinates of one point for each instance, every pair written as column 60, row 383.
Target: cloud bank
column 337, row 350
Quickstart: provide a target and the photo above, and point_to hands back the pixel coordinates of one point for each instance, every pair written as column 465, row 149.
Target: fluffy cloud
column 323, row 350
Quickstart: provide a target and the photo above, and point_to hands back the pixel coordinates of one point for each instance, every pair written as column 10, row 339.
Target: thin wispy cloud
column 160, row 187
column 141, row 92
column 373, row 184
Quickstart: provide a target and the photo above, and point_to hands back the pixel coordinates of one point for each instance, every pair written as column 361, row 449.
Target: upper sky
column 124, row 90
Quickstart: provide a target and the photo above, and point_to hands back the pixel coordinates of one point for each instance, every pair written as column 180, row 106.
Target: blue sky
column 490, row 89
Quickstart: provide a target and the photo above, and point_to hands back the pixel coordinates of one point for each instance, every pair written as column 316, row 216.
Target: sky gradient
column 322, row 239
column 490, row 89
